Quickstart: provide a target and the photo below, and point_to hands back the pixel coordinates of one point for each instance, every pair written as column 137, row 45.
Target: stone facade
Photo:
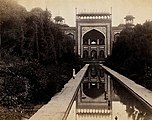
column 94, row 35
column 91, row 24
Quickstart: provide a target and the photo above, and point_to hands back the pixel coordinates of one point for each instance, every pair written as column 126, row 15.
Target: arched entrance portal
column 93, row 37
column 85, row 54
column 93, row 33
column 94, row 54
column 116, row 37
column 71, row 35
column 93, row 41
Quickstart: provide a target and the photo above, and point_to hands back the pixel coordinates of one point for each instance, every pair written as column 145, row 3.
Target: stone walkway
column 139, row 91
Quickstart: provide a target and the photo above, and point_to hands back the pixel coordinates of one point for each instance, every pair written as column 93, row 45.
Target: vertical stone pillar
column 88, row 41
column 89, row 85
column 97, row 41
column 98, row 85
column 89, row 51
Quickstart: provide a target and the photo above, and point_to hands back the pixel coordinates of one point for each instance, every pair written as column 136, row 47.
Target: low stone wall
column 140, row 92
column 60, row 105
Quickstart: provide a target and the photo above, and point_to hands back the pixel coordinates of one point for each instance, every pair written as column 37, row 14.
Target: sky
column 140, row 9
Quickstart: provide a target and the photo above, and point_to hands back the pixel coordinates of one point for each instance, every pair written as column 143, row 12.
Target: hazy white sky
column 141, row 9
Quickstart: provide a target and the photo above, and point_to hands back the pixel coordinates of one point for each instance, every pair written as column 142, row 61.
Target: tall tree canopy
column 132, row 53
column 35, row 52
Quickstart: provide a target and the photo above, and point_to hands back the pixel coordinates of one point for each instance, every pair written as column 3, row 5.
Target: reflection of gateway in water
column 94, row 96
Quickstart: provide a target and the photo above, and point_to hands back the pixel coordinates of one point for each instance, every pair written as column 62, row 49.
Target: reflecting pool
column 101, row 97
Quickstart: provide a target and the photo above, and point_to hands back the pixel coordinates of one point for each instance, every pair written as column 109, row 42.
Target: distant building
column 94, row 34
column 116, row 31
column 129, row 21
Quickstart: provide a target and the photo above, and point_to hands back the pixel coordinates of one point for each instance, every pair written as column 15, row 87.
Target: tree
column 11, row 19
column 35, row 57
column 132, row 53
column 11, row 10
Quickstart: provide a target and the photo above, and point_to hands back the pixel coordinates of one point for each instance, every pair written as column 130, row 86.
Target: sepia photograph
column 75, row 59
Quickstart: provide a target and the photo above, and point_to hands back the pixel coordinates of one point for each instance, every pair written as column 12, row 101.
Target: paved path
column 139, row 91
column 60, row 104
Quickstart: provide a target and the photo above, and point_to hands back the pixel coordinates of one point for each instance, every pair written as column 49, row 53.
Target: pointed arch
column 93, row 37
column 71, row 35
column 101, row 54
column 94, row 54
column 116, row 36
column 85, row 54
